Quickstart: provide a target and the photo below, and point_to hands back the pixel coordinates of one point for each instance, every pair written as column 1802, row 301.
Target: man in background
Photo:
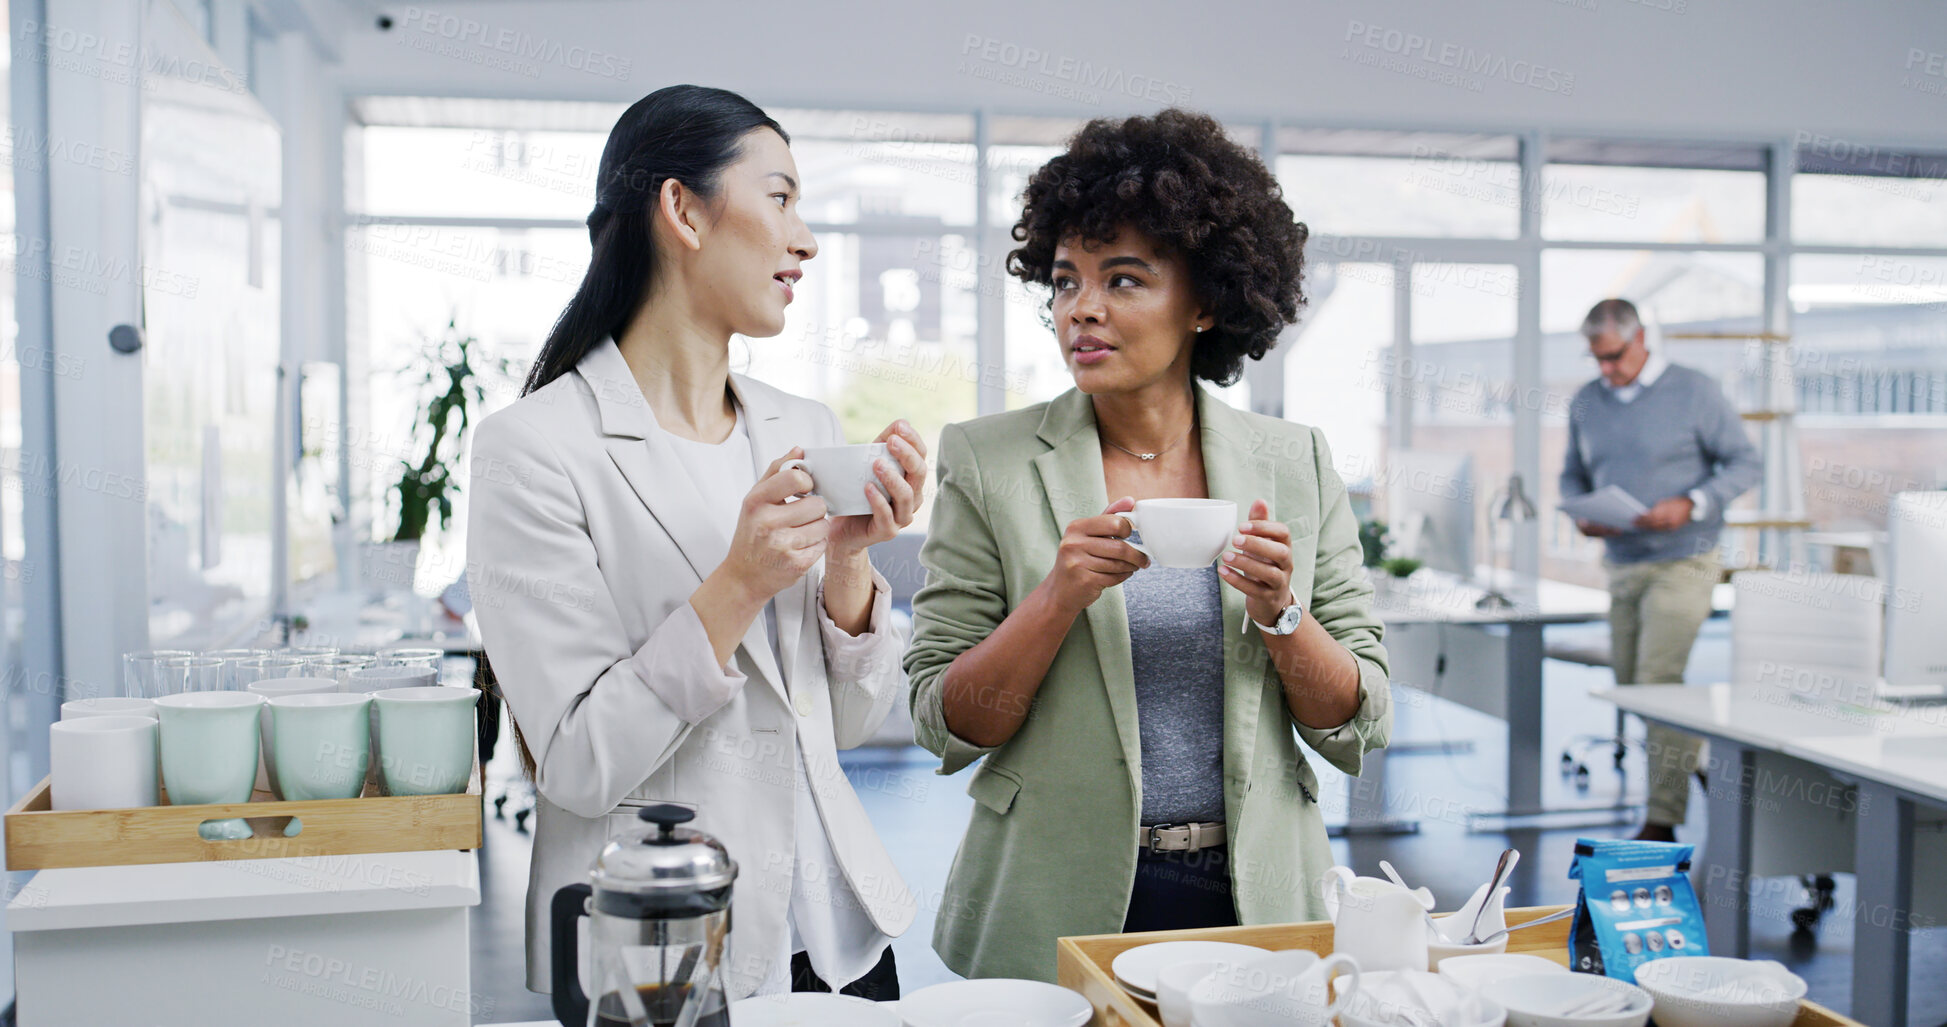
column 1665, row 434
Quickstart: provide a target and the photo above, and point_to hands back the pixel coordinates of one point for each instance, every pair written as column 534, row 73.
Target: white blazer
column 584, row 544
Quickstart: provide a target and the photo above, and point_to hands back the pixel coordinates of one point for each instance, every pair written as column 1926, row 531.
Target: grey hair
column 1612, row 316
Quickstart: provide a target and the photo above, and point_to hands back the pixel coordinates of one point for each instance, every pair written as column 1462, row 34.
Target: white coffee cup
column 102, row 762
column 1183, row 532
column 839, row 475
column 1173, row 984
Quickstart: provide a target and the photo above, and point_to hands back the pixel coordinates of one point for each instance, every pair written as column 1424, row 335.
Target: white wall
column 1757, row 69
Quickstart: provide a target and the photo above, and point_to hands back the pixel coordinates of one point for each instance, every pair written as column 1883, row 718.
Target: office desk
column 1894, row 773
column 1494, row 665
column 1897, row 759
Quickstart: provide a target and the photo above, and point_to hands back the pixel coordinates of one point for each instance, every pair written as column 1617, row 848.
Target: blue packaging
column 1636, row 905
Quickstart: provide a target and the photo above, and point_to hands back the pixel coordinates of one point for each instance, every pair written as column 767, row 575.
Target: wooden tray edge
column 29, row 819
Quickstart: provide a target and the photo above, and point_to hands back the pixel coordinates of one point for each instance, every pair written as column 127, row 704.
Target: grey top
column 1176, row 641
column 1679, row 433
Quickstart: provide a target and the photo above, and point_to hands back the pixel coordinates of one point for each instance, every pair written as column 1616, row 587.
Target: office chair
column 1817, row 636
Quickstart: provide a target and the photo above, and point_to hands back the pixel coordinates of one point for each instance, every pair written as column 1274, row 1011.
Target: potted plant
column 1390, row 576
column 1401, row 566
column 451, row 393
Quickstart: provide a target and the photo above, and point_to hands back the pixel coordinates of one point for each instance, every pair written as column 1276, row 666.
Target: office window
column 1352, row 182
column 1435, row 195
column 879, row 167
column 1336, row 373
column 479, row 172
column 1869, row 359
column 1850, row 195
column 1035, row 370
column 1598, row 203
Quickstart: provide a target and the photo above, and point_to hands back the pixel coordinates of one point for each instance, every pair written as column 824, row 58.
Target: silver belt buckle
column 1155, row 843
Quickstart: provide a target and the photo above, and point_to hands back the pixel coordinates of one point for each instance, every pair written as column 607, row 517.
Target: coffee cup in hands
column 840, row 474
column 1183, row 532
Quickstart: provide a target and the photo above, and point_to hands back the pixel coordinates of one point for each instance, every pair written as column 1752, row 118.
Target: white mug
column 1183, row 532
column 1278, row 989
column 839, row 475
column 102, row 762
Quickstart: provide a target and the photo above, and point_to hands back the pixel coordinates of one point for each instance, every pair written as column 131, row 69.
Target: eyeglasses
column 1614, row 357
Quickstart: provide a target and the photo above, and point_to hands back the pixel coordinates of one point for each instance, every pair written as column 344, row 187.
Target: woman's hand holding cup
column 1094, row 556
column 776, row 540
column 893, row 500
column 1259, row 564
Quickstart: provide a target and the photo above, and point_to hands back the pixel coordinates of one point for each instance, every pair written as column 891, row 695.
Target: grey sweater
column 1678, row 434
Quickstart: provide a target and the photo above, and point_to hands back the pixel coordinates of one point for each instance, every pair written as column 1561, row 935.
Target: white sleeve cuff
column 849, row 657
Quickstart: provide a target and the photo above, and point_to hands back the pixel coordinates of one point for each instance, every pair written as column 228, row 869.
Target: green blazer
column 1051, row 847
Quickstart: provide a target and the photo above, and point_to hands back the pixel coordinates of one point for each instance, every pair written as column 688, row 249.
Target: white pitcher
column 1375, row 921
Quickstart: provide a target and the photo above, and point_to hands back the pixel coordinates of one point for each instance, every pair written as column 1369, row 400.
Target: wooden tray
column 41, row 838
column 1082, row 963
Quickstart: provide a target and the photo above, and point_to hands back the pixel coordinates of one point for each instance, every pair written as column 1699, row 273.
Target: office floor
column 920, row 816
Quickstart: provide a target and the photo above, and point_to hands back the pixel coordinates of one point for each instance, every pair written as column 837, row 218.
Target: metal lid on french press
column 664, row 861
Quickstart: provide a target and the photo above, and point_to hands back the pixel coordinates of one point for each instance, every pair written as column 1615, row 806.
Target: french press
column 658, row 908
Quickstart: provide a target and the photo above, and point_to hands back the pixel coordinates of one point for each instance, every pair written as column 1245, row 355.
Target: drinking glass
column 244, row 673
column 181, row 674
column 338, row 668
column 409, row 656
column 141, row 672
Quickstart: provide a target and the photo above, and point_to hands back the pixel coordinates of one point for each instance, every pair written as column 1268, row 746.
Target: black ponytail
column 688, row 133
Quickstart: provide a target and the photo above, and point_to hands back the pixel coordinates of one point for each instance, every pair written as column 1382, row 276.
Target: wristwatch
column 1287, row 621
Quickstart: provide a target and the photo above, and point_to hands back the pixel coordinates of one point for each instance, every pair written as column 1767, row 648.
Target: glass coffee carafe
column 658, row 904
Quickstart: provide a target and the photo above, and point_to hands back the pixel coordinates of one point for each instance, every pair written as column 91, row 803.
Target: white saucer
column 994, row 1002
column 1136, row 969
column 812, row 1009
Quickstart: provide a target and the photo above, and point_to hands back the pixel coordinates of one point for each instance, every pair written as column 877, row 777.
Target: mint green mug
column 321, row 744
column 209, row 753
column 426, row 738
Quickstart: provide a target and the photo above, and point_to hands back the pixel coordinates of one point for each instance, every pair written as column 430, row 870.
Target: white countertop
column 1903, row 746
column 1912, row 762
column 244, row 889
column 1755, row 715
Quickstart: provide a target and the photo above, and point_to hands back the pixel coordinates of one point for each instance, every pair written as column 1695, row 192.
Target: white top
column 826, row 919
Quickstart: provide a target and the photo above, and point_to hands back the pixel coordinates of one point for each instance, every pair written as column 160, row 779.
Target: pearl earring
column 1199, row 328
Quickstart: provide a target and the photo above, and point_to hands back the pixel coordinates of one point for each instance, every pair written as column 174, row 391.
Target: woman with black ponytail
column 670, row 616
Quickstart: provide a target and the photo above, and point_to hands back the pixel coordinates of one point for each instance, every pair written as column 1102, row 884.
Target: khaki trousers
column 1655, row 609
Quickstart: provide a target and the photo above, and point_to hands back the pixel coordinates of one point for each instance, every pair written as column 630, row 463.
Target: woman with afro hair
column 1140, row 766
